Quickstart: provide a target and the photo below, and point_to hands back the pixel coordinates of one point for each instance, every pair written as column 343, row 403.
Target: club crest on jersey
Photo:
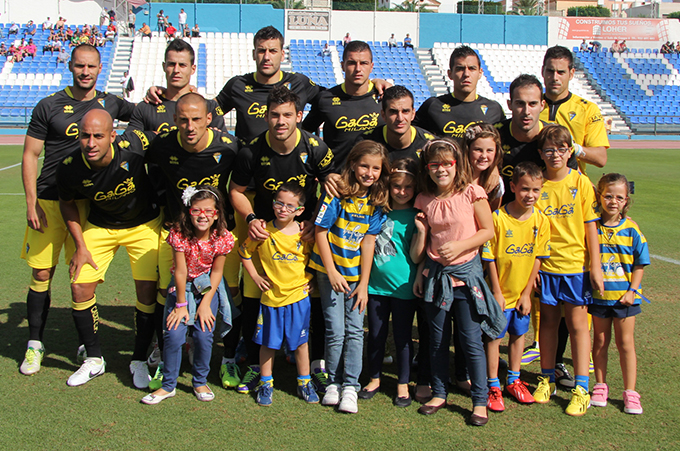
column 335, row 101
column 101, row 102
column 544, row 196
column 446, row 108
column 264, row 161
column 174, row 160
column 535, row 229
column 484, row 109
column 125, row 166
column 508, row 233
column 287, row 85
column 87, row 183
column 68, row 109
column 160, row 109
column 573, row 190
column 572, row 115
column 217, row 157
column 304, row 156
column 610, row 234
column 418, row 152
column 360, row 205
column 248, row 88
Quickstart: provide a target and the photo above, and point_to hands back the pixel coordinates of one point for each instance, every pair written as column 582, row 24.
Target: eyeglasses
column 440, row 164
column 278, row 205
column 208, row 212
column 560, row 151
column 617, row 199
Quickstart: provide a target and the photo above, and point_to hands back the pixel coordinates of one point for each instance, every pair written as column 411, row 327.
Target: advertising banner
column 609, row 29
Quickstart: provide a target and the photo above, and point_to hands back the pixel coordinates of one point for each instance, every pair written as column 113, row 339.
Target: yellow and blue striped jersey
column 348, row 220
column 568, row 204
column 621, row 249
column 515, row 247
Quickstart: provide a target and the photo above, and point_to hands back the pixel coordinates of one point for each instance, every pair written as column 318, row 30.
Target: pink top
column 451, row 219
column 200, row 254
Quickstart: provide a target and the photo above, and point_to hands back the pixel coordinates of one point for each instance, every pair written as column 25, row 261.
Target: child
column 460, row 223
column 343, row 256
column 568, row 200
column 200, row 242
column 624, row 253
column 285, row 305
column 521, row 239
column 482, row 145
column 390, row 289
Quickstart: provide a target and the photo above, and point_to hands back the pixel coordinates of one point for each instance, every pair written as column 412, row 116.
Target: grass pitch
column 41, row 412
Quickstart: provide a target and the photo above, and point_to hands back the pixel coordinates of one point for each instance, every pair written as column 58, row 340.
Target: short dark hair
column 523, row 81
column 295, row 189
column 526, row 168
column 267, row 33
column 179, row 45
column 356, row 46
column 89, row 47
column 280, row 95
column 557, row 53
column 395, row 92
column 462, row 51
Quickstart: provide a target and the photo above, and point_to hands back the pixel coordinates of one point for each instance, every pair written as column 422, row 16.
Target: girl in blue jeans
column 343, row 255
column 200, row 242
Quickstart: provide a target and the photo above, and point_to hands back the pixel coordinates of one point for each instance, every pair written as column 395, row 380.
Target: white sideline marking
column 666, row 259
column 15, row 165
column 11, row 194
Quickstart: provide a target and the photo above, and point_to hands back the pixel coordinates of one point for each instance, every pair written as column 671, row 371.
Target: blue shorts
column 290, row 322
column 516, row 324
column 574, row 289
column 614, row 311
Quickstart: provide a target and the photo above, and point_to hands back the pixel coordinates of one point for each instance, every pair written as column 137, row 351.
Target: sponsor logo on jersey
column 314, row 142
column 564, row 210
column 217, row 157
column 142, row 137
column 257, row 110
column 68, row 109
column 124, row 144
column 456, row 129
column 311, row 82
column 219, row 111
column 573, row 190
column 72, row 130
column 87, row 183
column 285, row 258
column 122, row 190
column 446, row 108
column 248, row 88
column 125, row 165
column 428, row 136
column 327, row 159
column 336, row 101
column 272, row 185
column 160, row 109
column 364, row 122
column 264, row 161
column 572, row 115
column 174, row 160
column 506, row 148
column 522, row 251
column 67, row 160
column 226, row 140
column 212, row 180
column 508, row 233
column 484, row 109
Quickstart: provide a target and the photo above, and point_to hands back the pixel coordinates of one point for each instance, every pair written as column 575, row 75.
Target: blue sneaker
column 250, row 380
column 307, row 392
column 264, row 394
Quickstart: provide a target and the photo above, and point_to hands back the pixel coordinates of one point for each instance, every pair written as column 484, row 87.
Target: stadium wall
column 75, row 12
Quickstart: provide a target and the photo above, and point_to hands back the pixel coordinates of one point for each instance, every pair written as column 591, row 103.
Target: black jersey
column 515, row 152
column 55, row 120
column 447, row 116
column 310, row 160
column 120, row 195
column 249, row 98
column 345, row 117
column 160, row 118
column 419, row 137
column 181, row 168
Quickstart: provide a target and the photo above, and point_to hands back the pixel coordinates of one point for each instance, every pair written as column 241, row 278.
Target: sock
column 583, row 381
column 37, row 305
column 550, row 374
column 144, row 329
column 493, row 382
column 265, row 379
column 303, row 380
column 226, row 360
column 158, row 323
column 86, row 317
column 512, row 376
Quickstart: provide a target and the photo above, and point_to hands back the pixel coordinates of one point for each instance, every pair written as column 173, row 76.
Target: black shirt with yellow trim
column 345, row 117
column 309, row 161
column 249, row 98
column 55, row 120
column 160, row 118
column 419, row 137
column 181, row 168
column 121, row 195
column 447, row 116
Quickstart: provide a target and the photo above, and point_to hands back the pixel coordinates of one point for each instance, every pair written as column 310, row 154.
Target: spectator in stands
column 47, row 25
column 128, row 84
column 101, row 40
column 616, row 47
column 104, row 16
column 182, row 20
column 3, row 49
column 392, row 42
column 61, row 23
column 132, row 18
column 170, row 32
column 161, row 21
column 31, row 28
column 346, row 40
column 30, row 49
column 145, row 31
column 17, row 54
column 14, row 28
column 69, row 34
column 63, row 56
column 195, row 32
column 408, row 43
column 584, row 46
column 111, row 32
column 326, row 51
column 595, row 46
column 112, row 16
column 677, row 47
column 84, row 39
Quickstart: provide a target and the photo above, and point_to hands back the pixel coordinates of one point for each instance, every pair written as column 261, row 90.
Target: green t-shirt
column 393, row 272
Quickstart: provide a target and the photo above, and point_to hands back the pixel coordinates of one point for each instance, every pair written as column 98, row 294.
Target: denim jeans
column 174, row 339
column 344, row 334
column 468, row 323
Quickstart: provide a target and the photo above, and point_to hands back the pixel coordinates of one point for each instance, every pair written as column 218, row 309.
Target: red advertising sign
column 609, row 29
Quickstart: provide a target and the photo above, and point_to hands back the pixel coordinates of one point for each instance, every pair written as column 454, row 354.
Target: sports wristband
column 578, row 150
column 181, row 304
column 250, row 218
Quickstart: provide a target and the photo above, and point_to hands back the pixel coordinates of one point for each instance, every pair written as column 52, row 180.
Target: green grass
column 42, row 412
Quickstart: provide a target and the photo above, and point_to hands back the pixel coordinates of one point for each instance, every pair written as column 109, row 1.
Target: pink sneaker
column 631, row 402
column 600, row 395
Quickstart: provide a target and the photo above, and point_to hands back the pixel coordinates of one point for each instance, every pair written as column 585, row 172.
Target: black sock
column 144, row 330
column 230, row 341
column 38, row 306
column 317, row 332
column 87, row 324
column 562, row 339
column 250, row 310
column 158, row 324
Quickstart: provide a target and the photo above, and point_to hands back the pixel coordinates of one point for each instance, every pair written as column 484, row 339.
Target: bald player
column 54, row 127
column 110, row 173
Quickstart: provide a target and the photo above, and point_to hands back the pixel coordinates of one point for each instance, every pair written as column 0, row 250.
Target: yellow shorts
column 141, row 243
column 41, row 250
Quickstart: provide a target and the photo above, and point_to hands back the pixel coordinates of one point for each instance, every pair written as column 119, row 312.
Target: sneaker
column 320, row 379
column 544, row 390
column 264, row 394
column 591, row 365
column 580, row 401
column 600, row 395
column 91, row 368
column 631, row 402
column 152, row 399
column 156, row 381
column 563, row 377
column 189, row 346
column 495, row 400
column 332, row 396
column 250, row 380
column 307, row 392
column 230, row 375
column 81, row 354
column 241, row 354
column 140, row 374
column 348, row 400
column 155, row 356
column 520, row 392
column 32, row 360
column 531, row 354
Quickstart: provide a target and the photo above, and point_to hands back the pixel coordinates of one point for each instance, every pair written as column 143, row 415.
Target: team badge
column 375, row 98
column 418, row 152
column 217, row 157
column 68, row 109
column 125, row 165
column 335, row 101
column 610, row 234
column 360, row 205
column 535, row 229
column 248, row 88
column 544, row 196
column 101, row 102
column 484, row 109
column 304, row 156
column 572, row 115
column 508, row 233
column 287, row 85
column 573, row 190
